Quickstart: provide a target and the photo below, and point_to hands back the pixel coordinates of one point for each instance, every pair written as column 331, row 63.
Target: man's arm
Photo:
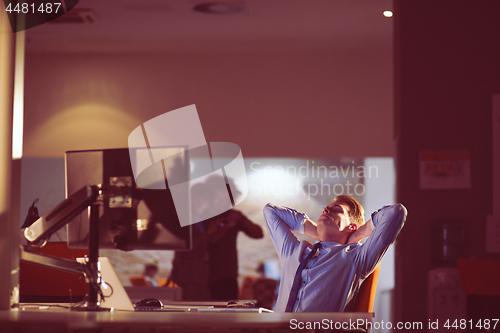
column 251, row 229
column 387, row 222
column 233, row 219
column 364, row 231
column 310, row 228
column 280, row 222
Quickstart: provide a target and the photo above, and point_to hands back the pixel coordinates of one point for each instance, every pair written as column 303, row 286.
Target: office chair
column 363, row 300
column 366, row 294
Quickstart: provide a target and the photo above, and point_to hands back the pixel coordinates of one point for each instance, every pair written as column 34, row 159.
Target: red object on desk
column 44, row 284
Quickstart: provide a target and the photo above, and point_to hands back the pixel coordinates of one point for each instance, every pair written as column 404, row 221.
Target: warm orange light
column 85, row 126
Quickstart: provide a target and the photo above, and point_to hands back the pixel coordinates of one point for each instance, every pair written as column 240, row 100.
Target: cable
column 110, row 287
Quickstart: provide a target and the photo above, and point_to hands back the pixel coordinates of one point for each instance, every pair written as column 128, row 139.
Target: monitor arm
column 45, row 226
column 62, row 214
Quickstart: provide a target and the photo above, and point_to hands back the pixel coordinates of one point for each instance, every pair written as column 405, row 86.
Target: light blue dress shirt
column 332, row 277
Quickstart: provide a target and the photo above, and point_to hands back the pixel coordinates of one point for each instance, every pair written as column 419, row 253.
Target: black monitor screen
column 130, row 218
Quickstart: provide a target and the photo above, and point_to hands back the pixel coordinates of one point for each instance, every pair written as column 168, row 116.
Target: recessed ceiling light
column 387, row 13
column 219, row 8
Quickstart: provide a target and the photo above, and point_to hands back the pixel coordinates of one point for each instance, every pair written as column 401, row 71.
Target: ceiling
column 172, row 26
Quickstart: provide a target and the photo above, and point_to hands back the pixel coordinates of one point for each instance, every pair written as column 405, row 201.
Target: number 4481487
column 470, row 324
column 26, row 8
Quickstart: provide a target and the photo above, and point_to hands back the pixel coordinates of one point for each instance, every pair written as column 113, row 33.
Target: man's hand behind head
column 364, row 231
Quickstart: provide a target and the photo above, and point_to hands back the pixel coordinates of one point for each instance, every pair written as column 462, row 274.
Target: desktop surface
column 26, row 318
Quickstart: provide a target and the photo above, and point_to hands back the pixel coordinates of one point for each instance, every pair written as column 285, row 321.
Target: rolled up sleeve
column 388, row 222
column 281, row 221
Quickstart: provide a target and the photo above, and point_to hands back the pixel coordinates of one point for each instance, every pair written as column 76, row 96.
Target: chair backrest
column 366, row 293
column 138, row 281
column 263, row 291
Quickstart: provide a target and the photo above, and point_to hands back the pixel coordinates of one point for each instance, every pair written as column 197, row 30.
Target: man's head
column 355, row 210
column 340, row 219
column 220, row 189
column 150, row 270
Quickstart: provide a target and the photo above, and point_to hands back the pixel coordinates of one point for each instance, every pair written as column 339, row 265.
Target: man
column 190, row 268
column 332, row 277
column 150, row 271
column 223, row 231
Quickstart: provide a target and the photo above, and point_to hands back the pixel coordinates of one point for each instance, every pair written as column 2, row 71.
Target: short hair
column 150, row 267
column 356, row 211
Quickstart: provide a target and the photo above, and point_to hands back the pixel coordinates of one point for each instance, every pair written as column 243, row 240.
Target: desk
column 164, row 294
column 61, row 320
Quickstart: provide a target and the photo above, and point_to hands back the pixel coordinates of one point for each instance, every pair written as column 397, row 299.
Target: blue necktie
column 298, row 278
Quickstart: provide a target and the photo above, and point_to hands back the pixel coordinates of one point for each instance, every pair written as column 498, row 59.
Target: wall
column 281, row 103
column 9, row 280
column 446, row 70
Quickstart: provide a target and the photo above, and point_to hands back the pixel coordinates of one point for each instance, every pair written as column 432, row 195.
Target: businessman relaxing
column 326, row 276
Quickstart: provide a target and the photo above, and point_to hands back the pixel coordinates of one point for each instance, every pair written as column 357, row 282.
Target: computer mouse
column 248, row 305
column 149, row 303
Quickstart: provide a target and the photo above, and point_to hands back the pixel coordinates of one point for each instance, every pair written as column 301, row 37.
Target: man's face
column 335, row 218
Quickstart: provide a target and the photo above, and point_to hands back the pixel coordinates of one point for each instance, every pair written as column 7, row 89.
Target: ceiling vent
column 76, row 16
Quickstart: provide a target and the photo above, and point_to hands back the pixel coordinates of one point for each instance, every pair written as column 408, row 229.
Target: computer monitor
column 130, row 218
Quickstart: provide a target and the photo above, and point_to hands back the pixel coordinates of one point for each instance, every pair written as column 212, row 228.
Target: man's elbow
column 268, row 210
column 268, row 206
column 253, row 230
column 259, row 234
column 395, row 218
column 400, row 211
